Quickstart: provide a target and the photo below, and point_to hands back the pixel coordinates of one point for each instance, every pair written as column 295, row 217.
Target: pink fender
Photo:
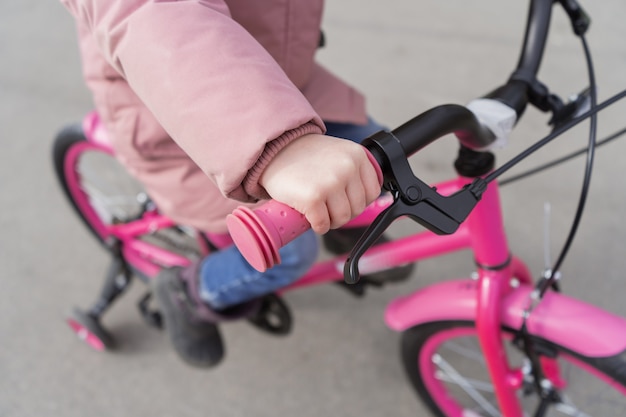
column 564, row 320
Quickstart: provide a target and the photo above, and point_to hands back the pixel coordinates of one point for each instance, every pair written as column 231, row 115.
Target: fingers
column 318, row 216
column 336, row 210
column 370, row 182
column 343, row 205
column 330, row 213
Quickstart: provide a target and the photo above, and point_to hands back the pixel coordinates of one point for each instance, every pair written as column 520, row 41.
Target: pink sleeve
column 212, row 86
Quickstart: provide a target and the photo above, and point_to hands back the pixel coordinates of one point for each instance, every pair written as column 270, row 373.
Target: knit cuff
column 251, row 181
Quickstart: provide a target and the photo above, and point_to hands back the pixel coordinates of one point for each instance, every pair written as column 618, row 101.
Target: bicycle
column 493, row 344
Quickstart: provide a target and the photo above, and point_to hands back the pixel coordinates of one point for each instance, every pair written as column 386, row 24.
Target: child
column 217, row 102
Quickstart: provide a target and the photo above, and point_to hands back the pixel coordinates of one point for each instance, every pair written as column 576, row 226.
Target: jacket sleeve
column 209, row 83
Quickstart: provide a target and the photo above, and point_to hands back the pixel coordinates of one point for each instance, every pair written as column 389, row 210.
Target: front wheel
column 445, row 365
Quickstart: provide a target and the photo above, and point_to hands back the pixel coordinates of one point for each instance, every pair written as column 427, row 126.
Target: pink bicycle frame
column 499, row 296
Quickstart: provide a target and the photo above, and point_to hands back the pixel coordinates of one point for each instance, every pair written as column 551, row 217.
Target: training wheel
column 89, row 330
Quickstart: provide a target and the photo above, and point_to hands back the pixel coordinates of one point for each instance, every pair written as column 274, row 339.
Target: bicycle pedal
column 274, row 316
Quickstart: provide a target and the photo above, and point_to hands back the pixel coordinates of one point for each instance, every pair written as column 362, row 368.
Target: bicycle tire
column 70, row 149
column 431, row 351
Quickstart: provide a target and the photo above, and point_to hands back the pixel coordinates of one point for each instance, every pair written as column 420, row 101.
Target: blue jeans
column 226, row 278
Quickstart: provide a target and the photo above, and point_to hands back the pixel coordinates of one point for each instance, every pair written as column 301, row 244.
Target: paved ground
column 341, row 360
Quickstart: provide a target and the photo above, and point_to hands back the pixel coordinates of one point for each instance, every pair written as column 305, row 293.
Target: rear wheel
column 446, row 367
column 96, row 185
column 102, row 194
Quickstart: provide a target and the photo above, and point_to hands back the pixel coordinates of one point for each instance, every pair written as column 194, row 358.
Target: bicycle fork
column 506, row 381
column 543, row 370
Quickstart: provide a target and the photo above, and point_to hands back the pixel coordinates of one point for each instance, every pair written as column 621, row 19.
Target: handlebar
column 260, row 233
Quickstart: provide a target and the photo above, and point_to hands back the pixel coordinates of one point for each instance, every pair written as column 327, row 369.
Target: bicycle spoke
column 569, row 409
column 477, row 384
column 470, row 353
column 113, row 205
column 446, row 368
column 111, row 192
column 124, row 200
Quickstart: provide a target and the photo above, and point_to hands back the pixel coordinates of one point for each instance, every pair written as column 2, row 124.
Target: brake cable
column 550, row 281
column 548, row 394
column 558, row 161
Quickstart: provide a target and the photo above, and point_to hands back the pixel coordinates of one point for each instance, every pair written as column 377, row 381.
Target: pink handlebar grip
column 260, row 233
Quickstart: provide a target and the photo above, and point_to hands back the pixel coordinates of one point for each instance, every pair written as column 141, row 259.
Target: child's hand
column 329, row 180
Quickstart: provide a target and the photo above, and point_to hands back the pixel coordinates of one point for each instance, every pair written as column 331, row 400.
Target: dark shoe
column 341, row 241
column 197, row 341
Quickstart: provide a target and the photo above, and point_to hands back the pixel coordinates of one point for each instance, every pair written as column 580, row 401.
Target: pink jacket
column 231, row 81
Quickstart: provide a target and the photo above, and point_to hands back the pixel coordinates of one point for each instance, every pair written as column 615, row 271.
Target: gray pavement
column 340, row 360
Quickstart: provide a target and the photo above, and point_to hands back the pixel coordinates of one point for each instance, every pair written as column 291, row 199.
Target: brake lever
column 412, row 198
column 368, row 238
